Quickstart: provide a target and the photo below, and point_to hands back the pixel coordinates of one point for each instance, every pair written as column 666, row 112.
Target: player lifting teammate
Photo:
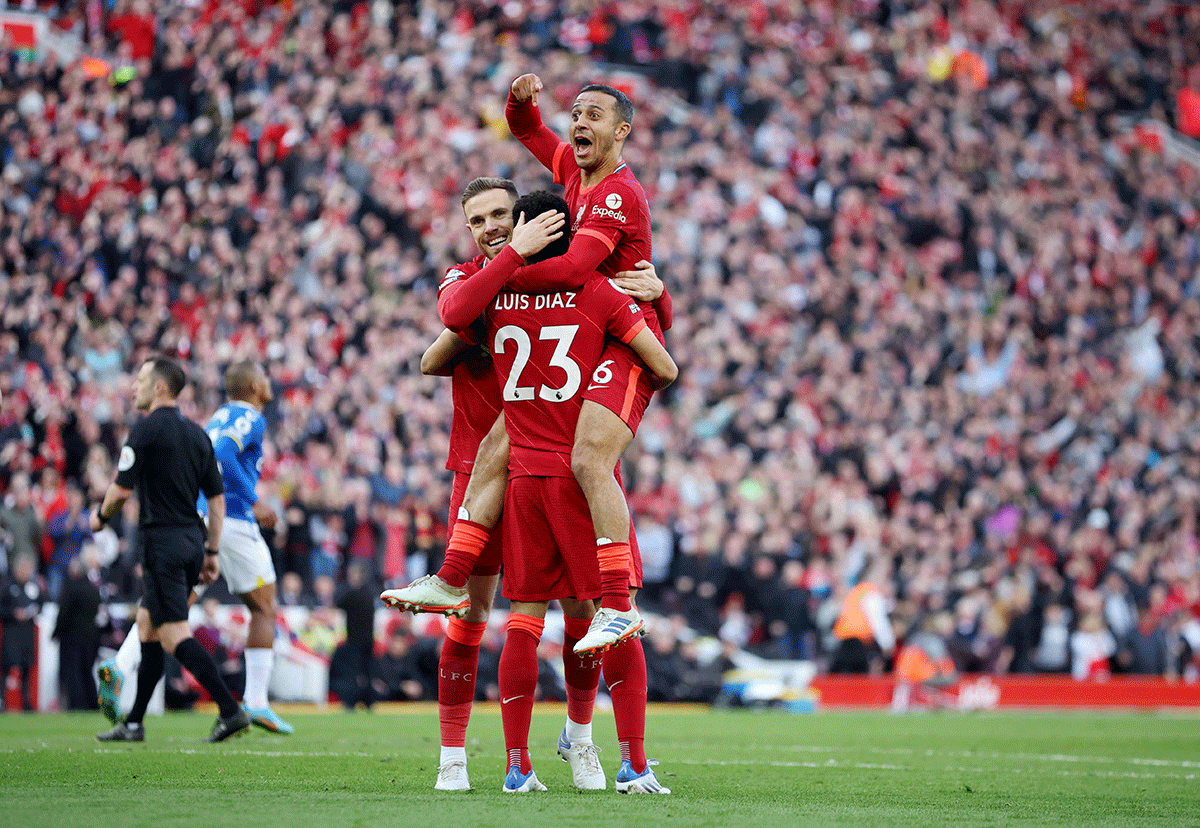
column 487, row 204
column 543, row 348
column 480, row 457
column 608, row 237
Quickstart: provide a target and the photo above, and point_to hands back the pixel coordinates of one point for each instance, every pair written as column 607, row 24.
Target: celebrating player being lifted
column 610, row 232
column 478, row 457
column 612, row 220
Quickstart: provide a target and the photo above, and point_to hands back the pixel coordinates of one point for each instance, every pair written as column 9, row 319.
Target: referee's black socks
column 150, row 670
column 200, row 664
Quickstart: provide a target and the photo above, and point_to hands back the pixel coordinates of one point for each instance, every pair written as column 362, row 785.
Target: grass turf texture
column 726, row 768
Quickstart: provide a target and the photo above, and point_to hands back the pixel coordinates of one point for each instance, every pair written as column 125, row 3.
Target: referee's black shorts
column 172, row 557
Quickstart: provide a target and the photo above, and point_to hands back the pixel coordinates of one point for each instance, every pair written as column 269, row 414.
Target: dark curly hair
column 533, row 205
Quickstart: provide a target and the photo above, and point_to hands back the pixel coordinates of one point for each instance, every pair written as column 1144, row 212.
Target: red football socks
column 466, row 543
column 614, row 575
column 625, row 674
column 581, row 673
column 518, row 683
column 456, row 679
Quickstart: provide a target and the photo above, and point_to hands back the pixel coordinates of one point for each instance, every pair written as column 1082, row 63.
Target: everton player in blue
column 236, row 430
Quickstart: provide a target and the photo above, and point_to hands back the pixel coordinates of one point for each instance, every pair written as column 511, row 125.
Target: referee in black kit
column 168, row 460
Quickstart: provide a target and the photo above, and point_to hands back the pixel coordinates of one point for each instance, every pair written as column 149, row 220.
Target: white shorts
column 245, row 559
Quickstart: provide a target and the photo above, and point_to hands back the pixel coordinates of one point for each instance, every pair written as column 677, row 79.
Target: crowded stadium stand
column 936, row 279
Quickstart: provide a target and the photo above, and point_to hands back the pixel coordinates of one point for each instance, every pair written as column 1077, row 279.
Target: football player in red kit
column 544, row 346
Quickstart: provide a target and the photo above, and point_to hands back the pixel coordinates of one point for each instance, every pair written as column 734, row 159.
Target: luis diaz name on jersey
column 536, row 301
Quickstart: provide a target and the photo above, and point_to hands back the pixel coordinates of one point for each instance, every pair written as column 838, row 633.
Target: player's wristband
column 101, row 518
column 208, row 551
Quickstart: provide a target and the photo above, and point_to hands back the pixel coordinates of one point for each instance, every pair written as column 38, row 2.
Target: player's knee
column 586, row 462
column 259, row 604
column 478, row 613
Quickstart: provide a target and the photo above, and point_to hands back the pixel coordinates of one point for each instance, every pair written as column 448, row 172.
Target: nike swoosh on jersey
column 513, row 699
column 602, row 385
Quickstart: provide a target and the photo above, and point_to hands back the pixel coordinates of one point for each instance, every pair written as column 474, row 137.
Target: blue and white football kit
column 236, row 431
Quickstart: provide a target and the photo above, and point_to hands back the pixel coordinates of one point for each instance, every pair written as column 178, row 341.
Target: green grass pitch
column 726, row 768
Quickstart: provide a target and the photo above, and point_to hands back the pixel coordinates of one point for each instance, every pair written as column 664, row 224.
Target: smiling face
column 596, row 130
column 490, row 220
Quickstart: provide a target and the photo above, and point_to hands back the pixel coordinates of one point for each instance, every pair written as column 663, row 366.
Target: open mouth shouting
column 582, row 145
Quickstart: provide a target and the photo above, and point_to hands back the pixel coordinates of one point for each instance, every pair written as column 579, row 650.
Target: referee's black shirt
column 168, row 460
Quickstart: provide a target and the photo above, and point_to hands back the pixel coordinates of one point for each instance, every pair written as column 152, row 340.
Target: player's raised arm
column 525, row 122
column 663, row 370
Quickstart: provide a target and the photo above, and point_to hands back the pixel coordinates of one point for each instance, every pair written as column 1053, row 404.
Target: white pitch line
column 963, row 754
column 835, row 764
column 326, row 754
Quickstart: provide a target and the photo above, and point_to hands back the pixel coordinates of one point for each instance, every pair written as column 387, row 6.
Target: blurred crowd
column 935, row 292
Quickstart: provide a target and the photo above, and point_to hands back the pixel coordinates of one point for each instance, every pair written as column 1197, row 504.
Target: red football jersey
column 473, row 388
column 614, row 211
column 544, row 349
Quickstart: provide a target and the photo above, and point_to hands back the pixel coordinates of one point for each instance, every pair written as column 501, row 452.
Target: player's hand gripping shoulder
column 642, row 283
column 530, row 237
column 527, row 88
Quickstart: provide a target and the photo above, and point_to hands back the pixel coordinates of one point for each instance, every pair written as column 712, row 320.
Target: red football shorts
column 549, row 545
column 490, row 557
column 621, row 385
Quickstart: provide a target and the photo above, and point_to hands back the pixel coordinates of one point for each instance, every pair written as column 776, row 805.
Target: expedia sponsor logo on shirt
column 597, row 210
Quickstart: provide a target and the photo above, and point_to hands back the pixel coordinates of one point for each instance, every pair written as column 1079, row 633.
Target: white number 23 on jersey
column 563, row 336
